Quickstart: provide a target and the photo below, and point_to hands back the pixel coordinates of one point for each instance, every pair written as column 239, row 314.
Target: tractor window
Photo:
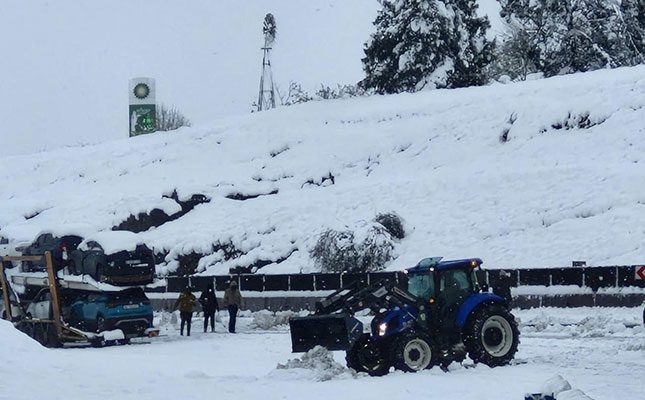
column 421, row 285
column 454, row 286
column 455, row 280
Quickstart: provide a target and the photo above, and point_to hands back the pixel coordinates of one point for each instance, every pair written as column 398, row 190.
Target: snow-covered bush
column 170, row 118
column 296, row 94
column 393, row 223
column 366, row 249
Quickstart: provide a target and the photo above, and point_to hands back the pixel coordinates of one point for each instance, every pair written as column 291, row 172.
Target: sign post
column 143, row 110
column 639, row 272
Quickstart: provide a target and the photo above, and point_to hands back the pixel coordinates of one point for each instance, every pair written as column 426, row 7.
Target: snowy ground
column 599, row 351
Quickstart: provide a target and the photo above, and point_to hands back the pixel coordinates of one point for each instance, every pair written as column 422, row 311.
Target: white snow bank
column 317, row 364
column 574, row 394
column 15, row 342
column 116, row 334
column 266, row 320
column 555, row 385
column 560, row 389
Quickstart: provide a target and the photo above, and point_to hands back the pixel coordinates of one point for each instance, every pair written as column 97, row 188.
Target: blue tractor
column 444, row 315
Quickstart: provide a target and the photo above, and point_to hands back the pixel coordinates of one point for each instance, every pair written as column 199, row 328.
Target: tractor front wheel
column 367, row 356
column 413, row 352
column 491, row 336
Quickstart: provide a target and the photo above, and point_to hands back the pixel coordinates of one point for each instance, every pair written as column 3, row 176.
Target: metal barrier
column 591, row 277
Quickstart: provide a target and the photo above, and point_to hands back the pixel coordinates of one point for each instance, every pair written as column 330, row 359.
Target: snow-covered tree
column 565, row 36
column 632, row 16
column 426, row 43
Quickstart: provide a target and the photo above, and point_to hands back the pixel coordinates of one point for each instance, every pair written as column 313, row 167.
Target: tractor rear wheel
column 367, row 356
column 491, row 336
column 413, row 352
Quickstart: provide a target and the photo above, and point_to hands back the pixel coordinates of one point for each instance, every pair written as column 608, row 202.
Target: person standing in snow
column 233, row 301
column 209, row 304
column 186, row 304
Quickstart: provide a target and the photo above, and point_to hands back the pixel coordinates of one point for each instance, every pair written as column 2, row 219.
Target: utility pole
column 266, row 95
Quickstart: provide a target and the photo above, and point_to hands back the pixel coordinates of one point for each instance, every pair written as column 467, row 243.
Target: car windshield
column 421, row 285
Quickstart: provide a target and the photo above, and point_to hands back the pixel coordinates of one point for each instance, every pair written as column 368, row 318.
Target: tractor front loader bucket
column 332, row 331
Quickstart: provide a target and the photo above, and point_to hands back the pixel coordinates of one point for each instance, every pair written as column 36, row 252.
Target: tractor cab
column 445, row 287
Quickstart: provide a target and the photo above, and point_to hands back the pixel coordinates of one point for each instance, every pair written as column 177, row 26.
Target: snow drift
column 531, row 174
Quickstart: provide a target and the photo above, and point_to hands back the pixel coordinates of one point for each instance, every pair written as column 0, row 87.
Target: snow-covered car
column 128, row 310
column 16, row 308
column 59, row 241
column 12, row 249
column 115, row 257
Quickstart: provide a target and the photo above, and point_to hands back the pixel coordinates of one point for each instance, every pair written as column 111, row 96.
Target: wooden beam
column 53, row 289
column 5, row 293
column 23, row 258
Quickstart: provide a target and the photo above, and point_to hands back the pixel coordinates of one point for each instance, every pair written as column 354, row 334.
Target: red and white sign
column 639, row 273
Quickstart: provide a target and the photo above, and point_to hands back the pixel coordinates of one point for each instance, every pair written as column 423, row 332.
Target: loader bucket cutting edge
column 334, row 332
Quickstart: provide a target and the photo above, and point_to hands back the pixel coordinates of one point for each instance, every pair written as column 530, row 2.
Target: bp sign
column 142, row 106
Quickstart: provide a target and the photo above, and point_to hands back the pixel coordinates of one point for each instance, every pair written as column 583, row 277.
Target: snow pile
column 16, row 342
column 266, row 320
column 555, row 190
column 555, row 385
column 583, row 322
column 560, row 389
column 321, row 364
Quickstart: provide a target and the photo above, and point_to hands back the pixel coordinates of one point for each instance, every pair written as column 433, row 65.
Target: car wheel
column 100, row 324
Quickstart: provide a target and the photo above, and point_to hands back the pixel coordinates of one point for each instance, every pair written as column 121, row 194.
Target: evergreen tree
column 426, row 43
column 632, row 16
column 565, row 36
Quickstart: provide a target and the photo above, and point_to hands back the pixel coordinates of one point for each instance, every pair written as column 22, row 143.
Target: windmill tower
column 266, row 95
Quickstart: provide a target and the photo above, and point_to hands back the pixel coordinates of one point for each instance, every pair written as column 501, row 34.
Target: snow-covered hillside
column 566, row 185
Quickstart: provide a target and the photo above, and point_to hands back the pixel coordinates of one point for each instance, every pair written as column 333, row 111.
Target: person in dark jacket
column 209, row 304
column 186, row 304
column 502, row 287
column 233, row 301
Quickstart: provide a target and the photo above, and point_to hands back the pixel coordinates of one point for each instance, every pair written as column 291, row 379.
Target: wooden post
column 53, row 289
column 5, row 291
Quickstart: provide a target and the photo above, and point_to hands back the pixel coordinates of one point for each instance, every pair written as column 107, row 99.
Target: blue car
column 128, row 310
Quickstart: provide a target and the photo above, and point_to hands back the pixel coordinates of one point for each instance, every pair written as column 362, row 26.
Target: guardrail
column 590, row 277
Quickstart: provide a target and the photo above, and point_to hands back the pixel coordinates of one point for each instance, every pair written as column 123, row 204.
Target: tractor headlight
column 382, row 328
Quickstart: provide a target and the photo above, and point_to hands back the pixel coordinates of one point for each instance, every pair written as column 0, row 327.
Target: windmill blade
column 269, row 29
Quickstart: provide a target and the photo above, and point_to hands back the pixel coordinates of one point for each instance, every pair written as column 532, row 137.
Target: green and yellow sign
column 143, row 110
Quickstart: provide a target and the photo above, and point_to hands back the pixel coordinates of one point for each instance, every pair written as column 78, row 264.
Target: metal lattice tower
column 266, row 95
